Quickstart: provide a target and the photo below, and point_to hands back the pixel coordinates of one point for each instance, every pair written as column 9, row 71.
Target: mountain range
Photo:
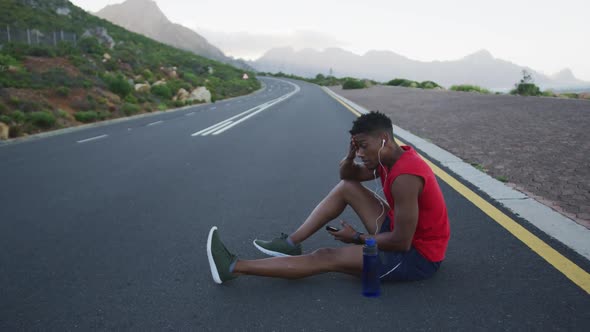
column 480, row 68
column 146, row 18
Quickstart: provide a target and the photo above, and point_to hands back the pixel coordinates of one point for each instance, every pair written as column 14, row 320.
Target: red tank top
column 432, row 232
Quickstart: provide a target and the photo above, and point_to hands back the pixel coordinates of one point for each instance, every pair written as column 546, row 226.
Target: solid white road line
column 189, row 114
column 215, row 126
column 92, row 138
column 154, row 123
column 220, row 127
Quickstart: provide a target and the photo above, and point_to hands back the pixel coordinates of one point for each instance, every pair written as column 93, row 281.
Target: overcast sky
column 544, row 35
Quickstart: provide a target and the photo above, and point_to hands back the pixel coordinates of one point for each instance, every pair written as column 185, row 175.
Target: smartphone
column 332, row 229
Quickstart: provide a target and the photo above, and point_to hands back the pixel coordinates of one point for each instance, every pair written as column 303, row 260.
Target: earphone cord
column 377, row 188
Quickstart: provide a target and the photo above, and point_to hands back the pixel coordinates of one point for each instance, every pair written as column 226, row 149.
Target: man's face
column 368, row 149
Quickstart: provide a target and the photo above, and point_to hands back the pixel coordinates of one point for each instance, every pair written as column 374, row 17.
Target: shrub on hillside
column 63, row 91
column 86, row 116
column 162, row 91
column 352, row 83
column 42, row 119
column 18, row 117
column 130, row 109
column 119, row 85
column 131, row 99
column 469, row 88
column 5, row 119
column 91, row 45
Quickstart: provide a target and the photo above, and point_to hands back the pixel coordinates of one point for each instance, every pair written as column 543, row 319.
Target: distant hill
column 146, row 18
column 60, row 66
column 480, row 68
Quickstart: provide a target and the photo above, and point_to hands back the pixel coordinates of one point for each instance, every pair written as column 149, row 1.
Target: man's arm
column 405, row 191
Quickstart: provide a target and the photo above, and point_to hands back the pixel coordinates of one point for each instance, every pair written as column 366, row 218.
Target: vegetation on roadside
column 324, row 80
column 526, row 86
column 414, row 84
column 108, row 72
column 352, row 83
column 469, row 88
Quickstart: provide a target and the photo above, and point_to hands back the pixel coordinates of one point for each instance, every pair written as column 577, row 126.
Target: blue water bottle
column 371, row 263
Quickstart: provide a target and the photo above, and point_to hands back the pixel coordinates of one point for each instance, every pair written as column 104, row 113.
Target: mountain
column 61, row 66
column 479, row 68
column 146, row 18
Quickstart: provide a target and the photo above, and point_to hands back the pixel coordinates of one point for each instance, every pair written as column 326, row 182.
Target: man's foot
column 220, row 259
column 278, row 247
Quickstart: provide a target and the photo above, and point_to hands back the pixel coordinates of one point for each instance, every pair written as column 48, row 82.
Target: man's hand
column 346, row 234
column 352, row 149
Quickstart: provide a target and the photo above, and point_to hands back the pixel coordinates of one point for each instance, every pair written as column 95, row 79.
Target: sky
column 547, row 36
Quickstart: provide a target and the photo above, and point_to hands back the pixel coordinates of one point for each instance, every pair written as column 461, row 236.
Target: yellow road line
column 572, row 271
column 355, row 112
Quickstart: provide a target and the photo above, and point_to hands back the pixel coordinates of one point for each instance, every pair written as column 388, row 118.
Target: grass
column 469, row 88
column 479, row 167
column 502, row 178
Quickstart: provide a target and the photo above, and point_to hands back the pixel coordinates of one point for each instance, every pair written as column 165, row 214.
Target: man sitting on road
column 412, row 235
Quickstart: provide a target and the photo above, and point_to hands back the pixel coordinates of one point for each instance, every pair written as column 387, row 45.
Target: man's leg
column 345, row 259
column 345, row 193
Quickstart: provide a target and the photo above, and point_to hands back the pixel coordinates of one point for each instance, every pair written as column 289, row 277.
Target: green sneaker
column 278, row 247
column 220, row 259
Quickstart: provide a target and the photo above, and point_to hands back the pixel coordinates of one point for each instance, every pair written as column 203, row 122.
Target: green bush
column 86, row 84
column 176, row 85
column 44, row 51
column 18, row 117
column 162, row 107
column 7, row 60
column 119, row 85
column 526, row 89
column 148, row 75
column 131, row 99
column 162, row 91
column 5, row 119
column 103, row 116
column 405, row 83
column 63, row 91
column 193, row 79
column 130, row 109
column 62, row 114
column 42, row 119
column 91, row 45
column 86, row 116
column 429, row 85
column 352, row 83
column 179, row 103
column 469, row 88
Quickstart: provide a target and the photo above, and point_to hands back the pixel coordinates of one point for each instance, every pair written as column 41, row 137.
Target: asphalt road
column 110, row 233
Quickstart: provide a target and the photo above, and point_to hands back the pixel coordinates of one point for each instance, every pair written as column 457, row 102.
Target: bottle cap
column 370, row 242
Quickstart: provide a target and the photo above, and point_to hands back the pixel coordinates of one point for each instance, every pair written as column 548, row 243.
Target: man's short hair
column 370, row 123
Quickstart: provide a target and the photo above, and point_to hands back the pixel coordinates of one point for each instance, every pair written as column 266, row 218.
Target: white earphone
column 377, row 197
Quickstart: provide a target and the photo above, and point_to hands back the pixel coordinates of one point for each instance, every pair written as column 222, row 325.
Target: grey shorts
column 404, row 266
